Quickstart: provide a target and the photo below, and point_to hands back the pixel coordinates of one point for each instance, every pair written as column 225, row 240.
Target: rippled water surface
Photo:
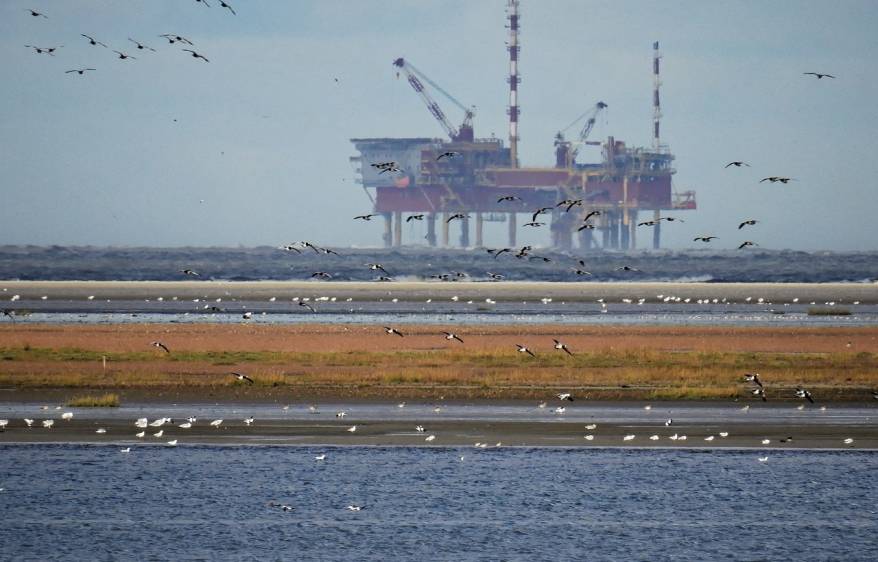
column 77, row 502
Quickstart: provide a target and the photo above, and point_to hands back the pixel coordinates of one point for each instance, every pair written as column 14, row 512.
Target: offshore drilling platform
column 468, row 176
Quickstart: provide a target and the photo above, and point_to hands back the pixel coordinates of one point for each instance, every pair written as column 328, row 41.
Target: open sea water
column 86, row 502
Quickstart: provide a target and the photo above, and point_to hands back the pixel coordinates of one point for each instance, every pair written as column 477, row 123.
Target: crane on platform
column 415, row 77
column 591, row 117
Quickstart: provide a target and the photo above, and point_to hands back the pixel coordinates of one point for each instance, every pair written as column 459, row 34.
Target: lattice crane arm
column 414, row 77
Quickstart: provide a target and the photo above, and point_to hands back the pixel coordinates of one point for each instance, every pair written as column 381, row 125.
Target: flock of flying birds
column 171, row 38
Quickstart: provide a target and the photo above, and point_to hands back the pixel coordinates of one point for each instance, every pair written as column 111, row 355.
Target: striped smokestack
column 513, row 81
column 656, row 105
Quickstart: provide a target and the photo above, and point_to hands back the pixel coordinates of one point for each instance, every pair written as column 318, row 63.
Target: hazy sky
column 123, row 155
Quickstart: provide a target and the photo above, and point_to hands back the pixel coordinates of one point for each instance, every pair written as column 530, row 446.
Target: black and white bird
column 190, row 272
column 564, row 396
column 364, row 217
column 160, row 345
column 451, row 336
column 737, row 164
column 495, row 276
column 586, row 227
column 748, row 222
column 196, row 55
column 562, row 347
column 303, row 304
column 79, row 71
column 355, row 507
column 818, row 75
column 456, row 216
column 376, row 267
column 523, row 349
column 704, row 238
column 93, row 41
column 591, row 214
column 176, row 39
column 803, row 393
column 321, row 275
column 508, row 198
column 242, row 377
column 539, row 212
column 627, row 268
column 382, row 165
column 760, row 392
column 449, row 154
column 578, row 271
column 141, row 46
column 746, row 243
column 411, row 218
column 669, row 422
column 392, row 331
column 754, row 378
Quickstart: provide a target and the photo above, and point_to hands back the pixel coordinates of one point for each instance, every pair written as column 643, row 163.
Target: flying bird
column 578, row 271
column 647, row 223
column 737, row 164
column 539, row 212
column 93, row 41
column 747, row 243
column 754, row 378
column 176, row 38
column 523, row 349
column 704, row 238
column 803, row 393
column 196, row 55
column 414, row 218
column 308, row 306
column 36, row 14
column 586, row 227
column 626, row 268
column 818, row 75
column 228, row 7
column 190, row 272
column 450, row 154
column 44, row 50
column 495, row 276
column 160, row 345
column 123, row 56
column 242, row 377
column 79, row 71
column 141, row 46
column 376, row 267
column 321, row 275
column 562, row 347
column 392, row 331
column 534, row 224
column 364, row 217
column 747, row 222
column 564, row 395
column 760, row 392
column 509, row 198
column 774, row 179
column 450, row 336
column 671, row 219
column 203, row 2
column 456, row 216
column 498, row 252
column 591, row 214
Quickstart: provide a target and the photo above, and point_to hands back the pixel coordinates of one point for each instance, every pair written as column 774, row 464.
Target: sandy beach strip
column 455, row 433
column 866, row 293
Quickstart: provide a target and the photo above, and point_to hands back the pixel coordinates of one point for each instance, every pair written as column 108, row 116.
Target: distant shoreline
column 866, row 293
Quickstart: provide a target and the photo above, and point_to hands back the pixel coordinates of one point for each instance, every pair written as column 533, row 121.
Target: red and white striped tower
column 512, row 15
column 656, row 105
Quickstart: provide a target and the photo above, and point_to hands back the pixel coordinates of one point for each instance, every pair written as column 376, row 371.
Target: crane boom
column 414, row 76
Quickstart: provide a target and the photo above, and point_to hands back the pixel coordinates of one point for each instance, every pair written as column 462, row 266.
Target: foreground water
column 77, row 502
